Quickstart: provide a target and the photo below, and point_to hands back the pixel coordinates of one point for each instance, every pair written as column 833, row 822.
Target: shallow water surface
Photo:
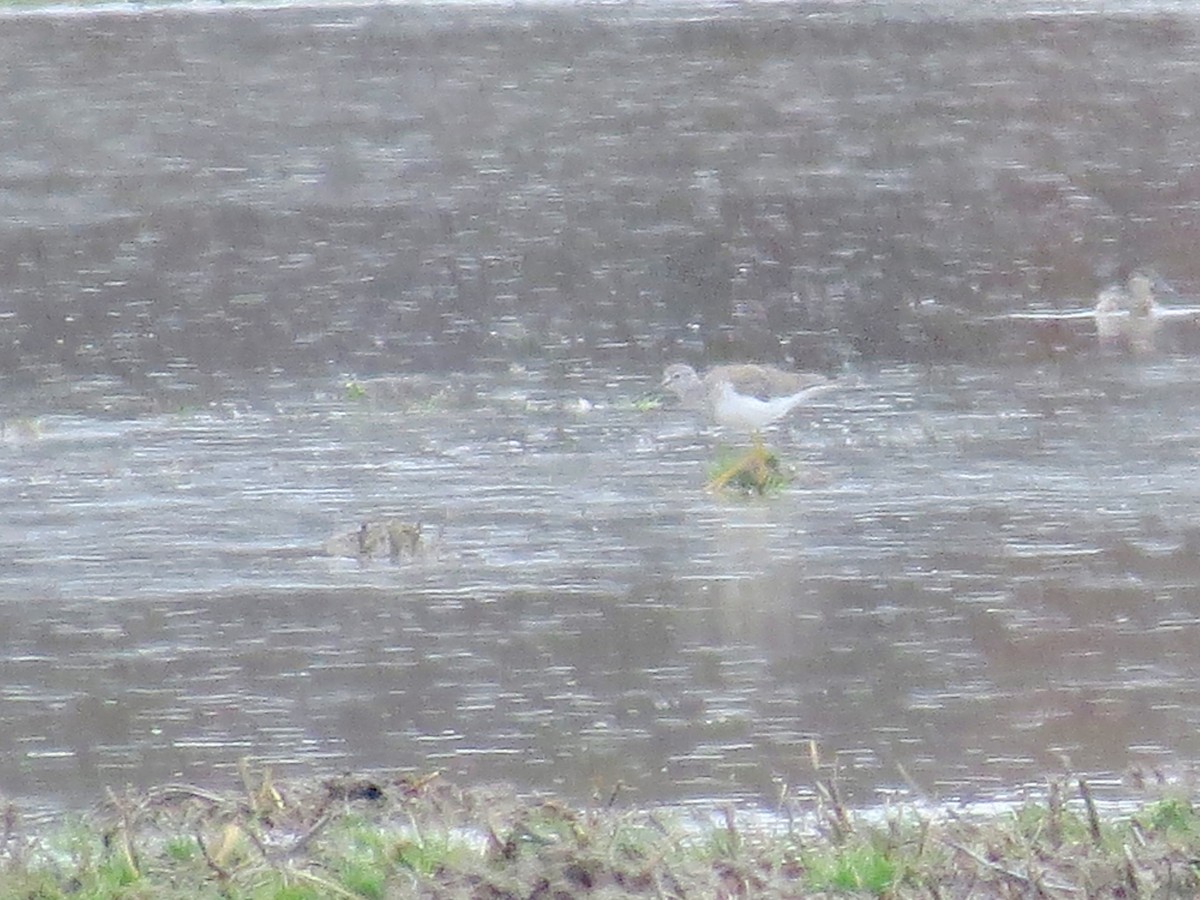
column 970, row 576
column 218, row 225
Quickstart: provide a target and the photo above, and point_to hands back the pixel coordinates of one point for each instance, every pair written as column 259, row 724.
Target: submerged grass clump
column 756, row 472
column 648, row 402
column 380, row 838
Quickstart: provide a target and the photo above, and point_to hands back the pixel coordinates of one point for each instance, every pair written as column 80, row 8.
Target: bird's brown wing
column 763, row 382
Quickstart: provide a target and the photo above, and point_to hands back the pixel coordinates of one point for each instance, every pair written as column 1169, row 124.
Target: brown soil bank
column 378, row 837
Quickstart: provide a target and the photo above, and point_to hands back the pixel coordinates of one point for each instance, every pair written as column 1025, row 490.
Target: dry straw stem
column 404, row 836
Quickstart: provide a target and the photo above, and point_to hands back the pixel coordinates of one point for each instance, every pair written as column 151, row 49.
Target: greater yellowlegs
column 747, row 398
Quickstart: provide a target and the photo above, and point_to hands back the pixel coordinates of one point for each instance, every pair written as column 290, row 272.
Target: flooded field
column 220, row 227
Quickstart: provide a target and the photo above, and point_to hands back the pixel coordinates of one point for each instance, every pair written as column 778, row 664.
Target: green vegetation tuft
column 373, row 839
column 1172, row 816
column 181, row 849
column 363, row 879
column 427, row 856
column 861, row 869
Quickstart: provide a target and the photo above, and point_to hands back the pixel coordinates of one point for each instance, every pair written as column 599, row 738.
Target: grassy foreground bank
column 370, row 837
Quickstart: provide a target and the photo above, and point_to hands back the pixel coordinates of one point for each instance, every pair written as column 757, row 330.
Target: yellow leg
column 758, row 453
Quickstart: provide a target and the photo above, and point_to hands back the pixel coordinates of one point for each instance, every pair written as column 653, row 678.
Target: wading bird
column 746, row 398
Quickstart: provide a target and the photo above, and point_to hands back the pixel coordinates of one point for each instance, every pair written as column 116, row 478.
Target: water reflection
column 218, row 227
